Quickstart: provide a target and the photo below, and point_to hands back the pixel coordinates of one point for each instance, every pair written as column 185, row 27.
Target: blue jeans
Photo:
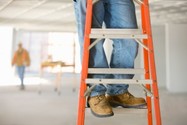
column 113, row 14
column 21, row 72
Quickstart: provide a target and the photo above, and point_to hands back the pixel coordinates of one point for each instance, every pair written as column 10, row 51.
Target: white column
column 176, row 57
column 6, row 71
column 158, row 33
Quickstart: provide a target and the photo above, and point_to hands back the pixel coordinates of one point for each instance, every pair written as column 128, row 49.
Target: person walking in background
column 21, row 59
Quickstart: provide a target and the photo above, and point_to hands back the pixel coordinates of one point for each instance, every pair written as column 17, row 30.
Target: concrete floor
column 48, row 108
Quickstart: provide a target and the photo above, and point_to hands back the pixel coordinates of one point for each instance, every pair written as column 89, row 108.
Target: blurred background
column 47, row 28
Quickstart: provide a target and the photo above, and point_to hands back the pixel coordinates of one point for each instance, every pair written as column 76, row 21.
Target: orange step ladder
column 144, row 38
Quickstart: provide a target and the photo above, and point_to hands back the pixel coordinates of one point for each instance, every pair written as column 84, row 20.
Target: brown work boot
column 99, row 106
column 126, row 100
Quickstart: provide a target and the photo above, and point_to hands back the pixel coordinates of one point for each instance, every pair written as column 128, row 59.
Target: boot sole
column 102, row 116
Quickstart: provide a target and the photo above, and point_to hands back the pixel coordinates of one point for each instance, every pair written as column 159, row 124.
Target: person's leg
column 80, row 15
column 21, row 71
column 97, row 100
column 97, row 55
column 121, row 14
column 22, row 75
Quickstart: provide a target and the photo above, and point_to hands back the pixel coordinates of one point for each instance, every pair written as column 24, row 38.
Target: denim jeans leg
column 80, row 14
column 97, row 56
column 121, row 14
column 21, row 71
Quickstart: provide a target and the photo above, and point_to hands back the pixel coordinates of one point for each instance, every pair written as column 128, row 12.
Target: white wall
column 158, row 33
column 6, row 71
column 176, row 57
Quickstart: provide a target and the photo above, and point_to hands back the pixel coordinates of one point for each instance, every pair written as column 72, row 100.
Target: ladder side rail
column 146, row 25
column 146, row 67
column 85, row 59
column 147, row 76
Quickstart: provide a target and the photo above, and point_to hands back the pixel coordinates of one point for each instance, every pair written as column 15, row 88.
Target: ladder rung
column 139, row 2
column 126, row 110
column 117, row 33
column 115, row 71
column 117, row 81
column 129, row 110
column 120, row 36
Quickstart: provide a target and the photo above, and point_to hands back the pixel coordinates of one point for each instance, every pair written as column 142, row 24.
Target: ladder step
column 117, row 33
column 129, row 110
column 115, row 71
column 139, row 2
column 123, row 111
column 117, row 81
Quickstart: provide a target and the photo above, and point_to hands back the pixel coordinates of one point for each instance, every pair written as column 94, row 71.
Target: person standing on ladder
column 119, row 14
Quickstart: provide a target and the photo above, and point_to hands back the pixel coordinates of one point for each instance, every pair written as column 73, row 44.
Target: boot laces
column 100, row 98
column 129, row 95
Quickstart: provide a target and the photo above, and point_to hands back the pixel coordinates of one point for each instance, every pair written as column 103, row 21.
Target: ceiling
column 58, row 15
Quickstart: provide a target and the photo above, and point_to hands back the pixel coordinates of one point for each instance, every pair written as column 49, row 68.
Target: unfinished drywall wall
column 6, row 71
column 158, row 33
column 176, row 59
